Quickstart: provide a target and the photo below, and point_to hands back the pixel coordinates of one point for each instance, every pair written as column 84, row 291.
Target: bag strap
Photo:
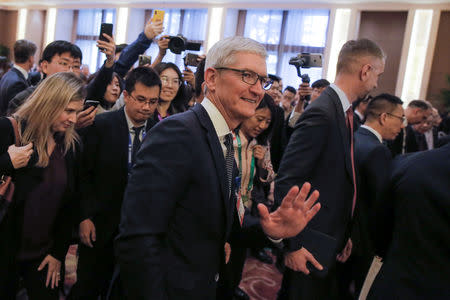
column 16, row 130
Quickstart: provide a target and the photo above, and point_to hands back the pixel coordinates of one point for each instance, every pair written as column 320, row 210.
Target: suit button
column 216, row 278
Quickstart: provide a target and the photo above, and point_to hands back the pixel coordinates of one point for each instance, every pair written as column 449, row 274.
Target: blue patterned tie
column 136, row 143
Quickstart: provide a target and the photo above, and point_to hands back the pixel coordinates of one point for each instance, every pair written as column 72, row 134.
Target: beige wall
column 441, row 61
column 35, row 29
column 387, row 29
column 8, row 25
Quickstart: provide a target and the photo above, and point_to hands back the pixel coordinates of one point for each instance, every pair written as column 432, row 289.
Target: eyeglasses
column 251, row 78
column 166, row 80
column 144, row 101
column 402, row 118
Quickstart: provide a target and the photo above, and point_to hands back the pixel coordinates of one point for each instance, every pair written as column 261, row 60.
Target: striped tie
column 229, row 160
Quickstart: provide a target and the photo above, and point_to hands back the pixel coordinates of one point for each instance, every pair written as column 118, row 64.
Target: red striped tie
column 349, row 122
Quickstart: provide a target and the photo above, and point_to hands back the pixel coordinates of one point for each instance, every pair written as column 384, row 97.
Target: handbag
column 6, row 183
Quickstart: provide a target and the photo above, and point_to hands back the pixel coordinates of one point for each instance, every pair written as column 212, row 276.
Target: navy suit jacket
column 373, row 161
column 319, row 152
column 176, row 215
column 104, row 172
column 416, row 265
column 11, row 84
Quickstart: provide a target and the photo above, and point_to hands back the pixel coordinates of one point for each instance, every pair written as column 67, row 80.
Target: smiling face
column 235, row 99
column 170, row 84
column 68, row 117
column 255, row 125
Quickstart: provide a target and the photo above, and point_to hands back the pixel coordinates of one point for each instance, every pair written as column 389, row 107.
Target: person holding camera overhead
column 36, row 231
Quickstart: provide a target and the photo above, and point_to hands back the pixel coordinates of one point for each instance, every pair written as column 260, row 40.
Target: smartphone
column 144, row 60
column 89, row 103
column 191, row 59
column 105, row 28
column 158, row 15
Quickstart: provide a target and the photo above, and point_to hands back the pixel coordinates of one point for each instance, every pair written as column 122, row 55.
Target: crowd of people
column 168, row 179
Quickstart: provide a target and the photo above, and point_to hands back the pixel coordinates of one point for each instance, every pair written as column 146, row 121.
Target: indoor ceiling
column 24, row 3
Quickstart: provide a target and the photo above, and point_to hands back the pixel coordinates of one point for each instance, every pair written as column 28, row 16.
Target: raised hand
column 293, row 214
column 151, row 30
column 109, row 48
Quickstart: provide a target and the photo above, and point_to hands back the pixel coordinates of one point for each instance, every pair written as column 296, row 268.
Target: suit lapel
column 344, row 131
column 219, row 159
column 123, row 135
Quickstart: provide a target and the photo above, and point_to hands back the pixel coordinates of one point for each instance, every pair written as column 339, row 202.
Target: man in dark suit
column 416, row 112
column 180, row 205
column 384, row 120
column 320, row 151
column 359, row 109
column 416, row 264
column 110, row 145
column 16, row 79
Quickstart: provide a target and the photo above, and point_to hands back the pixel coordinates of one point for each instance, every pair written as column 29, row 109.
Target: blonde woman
column 35, row 233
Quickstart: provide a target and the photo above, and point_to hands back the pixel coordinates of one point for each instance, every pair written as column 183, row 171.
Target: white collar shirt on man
column 131, row 125
column 342, row 97
column 361, row 117
column 218, row 121
column 21, row 70
column 376, row 133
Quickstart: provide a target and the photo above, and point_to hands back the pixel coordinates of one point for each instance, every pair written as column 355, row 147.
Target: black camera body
column 306, row 60
column 179, row 43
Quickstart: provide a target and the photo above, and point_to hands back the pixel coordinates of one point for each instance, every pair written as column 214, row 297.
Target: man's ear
column 211, row 79
column 364, row 73
column 44, row 66
column 126, row 96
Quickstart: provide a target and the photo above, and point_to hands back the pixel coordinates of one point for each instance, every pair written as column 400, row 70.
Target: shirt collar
column 22, row 70
column 361, row 117
column 130, row 124
column 342, row 97
column 218, row 121
column 374, row 132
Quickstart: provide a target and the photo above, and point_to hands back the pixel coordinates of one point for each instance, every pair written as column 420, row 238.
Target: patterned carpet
column 260, row 281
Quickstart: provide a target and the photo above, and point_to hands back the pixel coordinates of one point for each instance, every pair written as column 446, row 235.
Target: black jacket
column 12, row 83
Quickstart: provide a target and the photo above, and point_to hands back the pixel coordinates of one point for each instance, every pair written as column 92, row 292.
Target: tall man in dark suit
column 110, row 146
column 384, row 120
column 416, row 264
column 180, row 205
column 320, row 151
column 16, row 79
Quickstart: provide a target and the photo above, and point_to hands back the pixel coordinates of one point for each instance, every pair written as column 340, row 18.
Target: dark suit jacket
column 410, row 145
column 319, row 152
column 357, row 122
column 278, row 139
column 373, row 160
column 105, row 172
column 11, row 84
column 416, row 266
column 176, row 215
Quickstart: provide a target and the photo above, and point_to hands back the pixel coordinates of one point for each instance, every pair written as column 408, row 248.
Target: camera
column 179, row 43
column 306, row 60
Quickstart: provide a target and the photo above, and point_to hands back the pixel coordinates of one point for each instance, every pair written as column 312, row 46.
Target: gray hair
column 222, row 53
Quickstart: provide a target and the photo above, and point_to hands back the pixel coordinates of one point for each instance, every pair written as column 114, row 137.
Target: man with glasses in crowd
column 110, row 147
column 180, row 206
column 385, row 119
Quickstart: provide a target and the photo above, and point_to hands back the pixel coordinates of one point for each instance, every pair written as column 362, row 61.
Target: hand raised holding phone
column 107, row 45
column 153, row 28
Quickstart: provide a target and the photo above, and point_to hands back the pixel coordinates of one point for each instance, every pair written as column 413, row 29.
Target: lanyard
column 252, row 169
column 130, row 148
